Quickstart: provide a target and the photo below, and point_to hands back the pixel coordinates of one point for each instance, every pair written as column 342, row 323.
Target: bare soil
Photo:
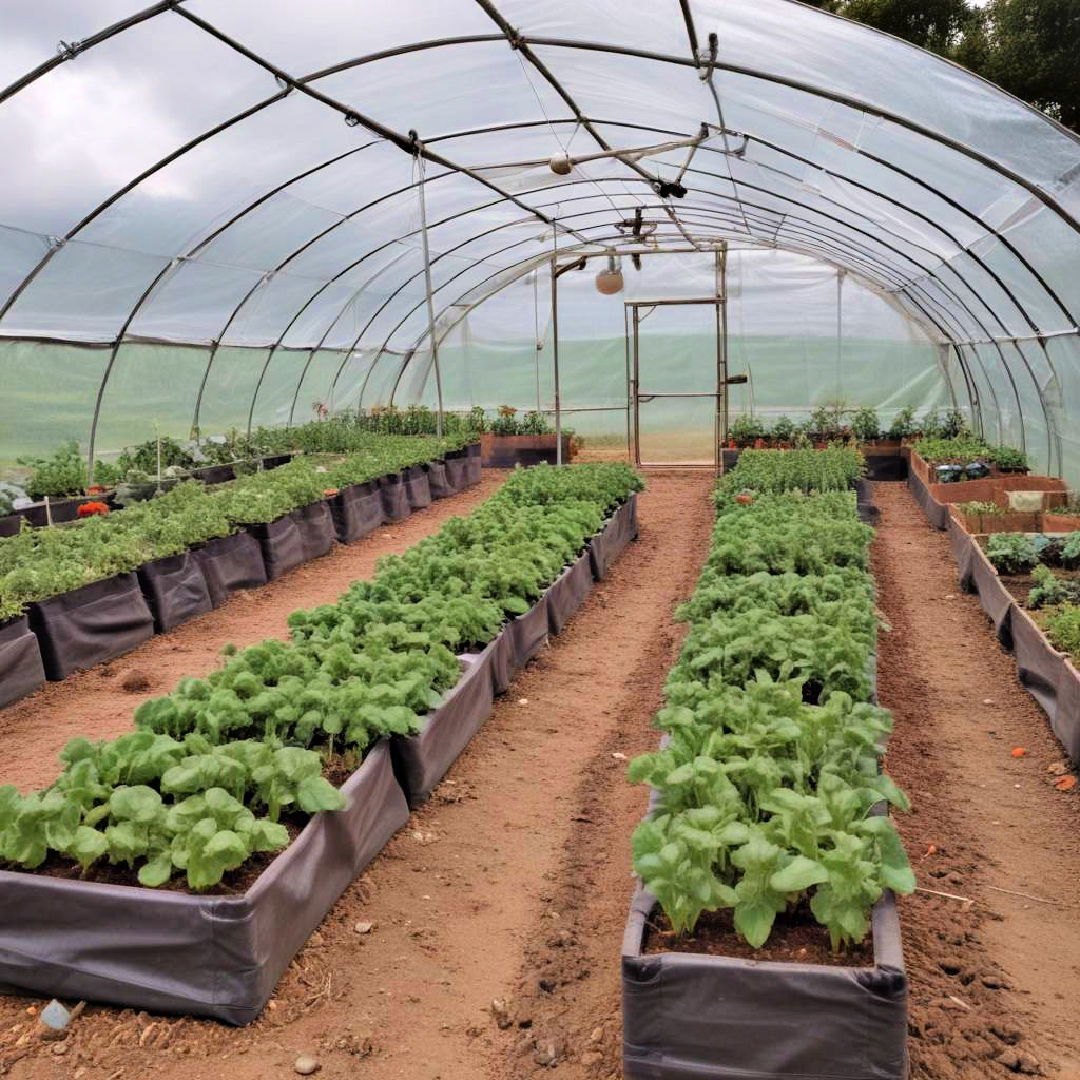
column 512, row 884
column 994, row 964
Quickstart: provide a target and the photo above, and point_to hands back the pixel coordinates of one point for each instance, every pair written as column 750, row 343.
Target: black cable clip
column 69, row 49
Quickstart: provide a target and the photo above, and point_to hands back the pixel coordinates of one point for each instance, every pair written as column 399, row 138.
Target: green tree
column 1032, row 49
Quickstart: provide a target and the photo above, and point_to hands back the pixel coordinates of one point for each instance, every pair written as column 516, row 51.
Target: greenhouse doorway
column 677, row 367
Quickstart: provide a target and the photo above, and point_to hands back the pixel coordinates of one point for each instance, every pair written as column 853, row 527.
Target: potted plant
column 783, row 431
column 745, row 431
column 56, row 484
column 903, row 425
column 528, row 440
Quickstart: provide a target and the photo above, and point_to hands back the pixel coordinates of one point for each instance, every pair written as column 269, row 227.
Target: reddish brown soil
column 93, row 703
column 513, row 883
column 795, row 938
column 486, row 936
column 993, row 974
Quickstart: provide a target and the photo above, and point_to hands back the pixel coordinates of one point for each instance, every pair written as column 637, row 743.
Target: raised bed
column 508, row 451
column 357, row 511
column 295, row 538
column 62, row 510
column 176, row 590
column 214, row 474
column 439, row 480
column 691, row 1016
column 609, row 543
column 395, row 497
column 230, row 563
column 422, row 760
column 21, row 671
column 175, row 952
column 90, row 625
column 1048, row 674
column 417, row 487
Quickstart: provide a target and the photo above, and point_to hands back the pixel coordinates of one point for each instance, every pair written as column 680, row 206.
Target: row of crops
column 40, row 563
column 228, row 769
column 768, row 795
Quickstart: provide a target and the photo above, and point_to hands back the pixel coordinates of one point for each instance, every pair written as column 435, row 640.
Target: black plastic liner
column 214, row 474
column 282, row 545
column 439, row 481
column 690, row 1016
column 421, row 761
column 171, row 952
column 608, row 544
column 315, row 524
column 568, row 593
column 473, row 465
column 10, row 524
column 90, row 625
column 457, row 467
column 1048, row 675
column 176, row 590
column 395, row 497
column 417, row 487
column 937, row 513
column 357, row 511
column 230, row 563
column 21, row 671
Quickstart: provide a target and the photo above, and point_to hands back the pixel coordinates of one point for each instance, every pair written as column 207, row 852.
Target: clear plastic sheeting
column 210, row 215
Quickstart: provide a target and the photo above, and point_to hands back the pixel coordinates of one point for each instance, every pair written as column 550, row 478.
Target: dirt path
column 95, row 704
column 994, row 983
column 512, row 884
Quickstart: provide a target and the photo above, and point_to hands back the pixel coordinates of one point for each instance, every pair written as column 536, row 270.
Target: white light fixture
column 610, row 280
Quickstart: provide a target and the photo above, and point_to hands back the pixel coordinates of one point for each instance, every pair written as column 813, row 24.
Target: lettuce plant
column 768, row 780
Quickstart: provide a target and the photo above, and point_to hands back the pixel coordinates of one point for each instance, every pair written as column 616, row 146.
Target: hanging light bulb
column 610, row 280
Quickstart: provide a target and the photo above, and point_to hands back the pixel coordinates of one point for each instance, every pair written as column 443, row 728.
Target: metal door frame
column 632, row 319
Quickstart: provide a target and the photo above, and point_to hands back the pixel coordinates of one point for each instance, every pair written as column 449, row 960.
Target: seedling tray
column 230, row 563
column 173, row 952
column 176, row 590
column 692, row 1016
column 90, row 625
column 21, row 671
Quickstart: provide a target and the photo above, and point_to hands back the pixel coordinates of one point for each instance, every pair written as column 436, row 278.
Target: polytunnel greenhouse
column 533, row 536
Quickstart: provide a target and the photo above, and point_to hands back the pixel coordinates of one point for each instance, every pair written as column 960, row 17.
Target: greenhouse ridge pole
column 427, row 285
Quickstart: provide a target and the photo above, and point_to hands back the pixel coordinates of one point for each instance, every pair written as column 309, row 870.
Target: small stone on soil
column 305, row 1065
column 547, row 985
column 364, row 927
column 546, row 1054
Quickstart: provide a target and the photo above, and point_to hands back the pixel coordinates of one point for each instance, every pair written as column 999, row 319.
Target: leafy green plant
column 769, row 772
column 63, row 474
column 745, row 430
column 977, row 508
column 1062, row 625
column 903, row 425
column 1050, row 590
column 954, row 426
column 212, row 768
column 783, row 429
column 778, row 471
column 1011, row 553
column 865, row 424
column 144, row 458
column 1008, row 458
column 826, row 422
column 931, row 425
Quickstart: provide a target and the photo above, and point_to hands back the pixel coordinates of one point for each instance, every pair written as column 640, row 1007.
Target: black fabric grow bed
column 21, row 670
column 90, row 625
column 176, row 590
column 230, row 563
column 174, row 952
